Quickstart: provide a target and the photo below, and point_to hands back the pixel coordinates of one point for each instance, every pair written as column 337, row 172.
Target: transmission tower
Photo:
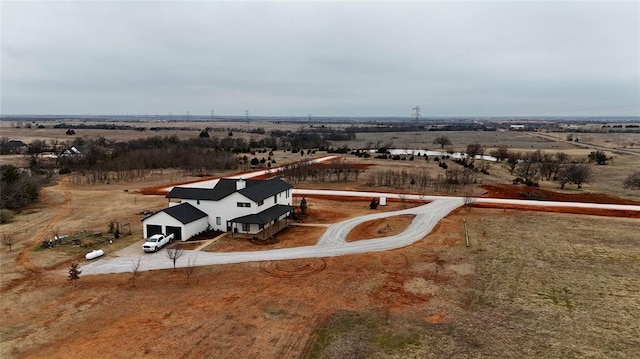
column 416, row 116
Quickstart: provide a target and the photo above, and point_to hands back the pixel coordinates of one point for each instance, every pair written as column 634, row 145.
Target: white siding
column 161, row 219
column 164, row 220
column 227, row 209
column 196, row 227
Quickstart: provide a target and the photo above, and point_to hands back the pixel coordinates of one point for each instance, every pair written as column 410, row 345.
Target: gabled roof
column 184, row 213
column 255, row 190
column 265, row 216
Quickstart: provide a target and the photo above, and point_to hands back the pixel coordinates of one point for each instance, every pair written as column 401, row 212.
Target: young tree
column 403, row 199
column 8, row 240
column 173, row 254
column 442, row 141
column 303, row 207
column 74, row 273
column 135, row 270
column 191, row 267
column 469, row 201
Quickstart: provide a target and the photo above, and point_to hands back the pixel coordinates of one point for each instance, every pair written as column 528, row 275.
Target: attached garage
column 183, row 220
column 176, row 231
column 152, row 229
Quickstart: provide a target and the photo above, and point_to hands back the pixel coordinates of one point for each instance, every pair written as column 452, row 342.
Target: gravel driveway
column 331, row 244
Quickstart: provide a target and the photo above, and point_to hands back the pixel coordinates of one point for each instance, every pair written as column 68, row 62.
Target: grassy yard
column 543, row 285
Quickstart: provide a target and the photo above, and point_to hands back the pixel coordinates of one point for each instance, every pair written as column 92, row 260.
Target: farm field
column 531, row 284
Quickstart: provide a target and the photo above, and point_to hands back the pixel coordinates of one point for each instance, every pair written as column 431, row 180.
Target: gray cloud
column 331, row 58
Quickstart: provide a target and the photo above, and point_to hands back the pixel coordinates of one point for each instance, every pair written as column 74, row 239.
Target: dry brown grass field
column 531, row 284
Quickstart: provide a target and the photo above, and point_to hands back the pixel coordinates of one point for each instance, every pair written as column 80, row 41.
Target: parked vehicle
column 155, row 242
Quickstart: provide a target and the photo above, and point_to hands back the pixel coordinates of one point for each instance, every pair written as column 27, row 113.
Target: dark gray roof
column 255, row 190
column 265, row 216
column 184, row 212
column 13, row 144
column 196, row 193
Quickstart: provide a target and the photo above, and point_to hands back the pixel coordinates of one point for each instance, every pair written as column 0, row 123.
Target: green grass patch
column 357, row 335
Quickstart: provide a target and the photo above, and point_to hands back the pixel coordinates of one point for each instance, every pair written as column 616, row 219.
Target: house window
column 260, row 203
column 275, row 199
column 198, row 201
column 244, row 204
column 261, row 226
column 245, row 227
column 218, row 221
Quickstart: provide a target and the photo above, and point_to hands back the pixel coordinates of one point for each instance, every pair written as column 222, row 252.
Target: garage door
column 177, row 232
column 153, row 229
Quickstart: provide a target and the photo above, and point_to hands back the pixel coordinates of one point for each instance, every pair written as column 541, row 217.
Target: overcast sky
column 321, row 58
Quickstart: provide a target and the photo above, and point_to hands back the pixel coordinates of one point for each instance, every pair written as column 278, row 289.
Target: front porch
column 262, row 225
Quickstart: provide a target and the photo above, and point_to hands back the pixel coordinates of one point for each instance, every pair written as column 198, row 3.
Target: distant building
column 516, row 128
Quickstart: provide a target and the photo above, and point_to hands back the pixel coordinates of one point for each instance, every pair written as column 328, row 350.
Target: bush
column 6, row 215
column 633, row 181
column 65, row 170
column 373, row 204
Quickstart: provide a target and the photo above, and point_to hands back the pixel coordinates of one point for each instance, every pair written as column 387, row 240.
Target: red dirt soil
column 509, row 191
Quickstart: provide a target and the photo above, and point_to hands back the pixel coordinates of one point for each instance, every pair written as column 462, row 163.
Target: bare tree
column 474, row 149
column 74, row 273
column 469, row 201
column 173, row 254
column 574, row 173
column 135, row 270
column 403, row 199
column 500, row 153
column 527, row 168
column 191, row 267
column 8, row 240
column 35, row 148
column 512, row 160
column 442, row 141
column 632, row 181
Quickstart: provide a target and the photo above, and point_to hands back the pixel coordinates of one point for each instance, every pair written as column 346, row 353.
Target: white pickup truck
column 155, row 242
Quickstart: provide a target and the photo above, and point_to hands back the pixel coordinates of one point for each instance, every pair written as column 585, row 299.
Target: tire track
column 63, row 211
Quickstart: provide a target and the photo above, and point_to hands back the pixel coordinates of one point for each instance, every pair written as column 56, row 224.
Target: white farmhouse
column 252, row 207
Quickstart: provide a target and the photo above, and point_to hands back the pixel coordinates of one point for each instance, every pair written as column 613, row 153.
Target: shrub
column 6, row 215
column 373, row 204
column 632, row 181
